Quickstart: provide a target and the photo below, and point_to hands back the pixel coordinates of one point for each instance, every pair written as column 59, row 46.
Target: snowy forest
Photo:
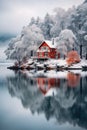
column 67, row 28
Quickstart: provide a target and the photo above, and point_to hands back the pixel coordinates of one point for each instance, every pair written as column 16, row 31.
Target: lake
column 31, row 100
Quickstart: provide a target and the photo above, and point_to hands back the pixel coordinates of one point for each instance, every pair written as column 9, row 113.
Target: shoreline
column 57, row 65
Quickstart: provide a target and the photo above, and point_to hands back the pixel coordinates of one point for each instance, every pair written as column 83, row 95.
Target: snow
column 30, row 61
column 51, row 44
column 80, row 64
column 51, row 92
column 65, row 42
column 67, row 34
column 60, row 62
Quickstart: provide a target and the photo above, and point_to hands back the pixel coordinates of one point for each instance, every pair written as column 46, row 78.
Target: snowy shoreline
column 51, row 64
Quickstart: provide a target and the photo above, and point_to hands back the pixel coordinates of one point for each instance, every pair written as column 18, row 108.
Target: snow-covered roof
column 51, row 44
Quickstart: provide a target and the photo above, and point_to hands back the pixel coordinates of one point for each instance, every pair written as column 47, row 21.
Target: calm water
column 42, row 100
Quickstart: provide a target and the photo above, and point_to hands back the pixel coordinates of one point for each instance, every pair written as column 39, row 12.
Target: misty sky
column 14, row 14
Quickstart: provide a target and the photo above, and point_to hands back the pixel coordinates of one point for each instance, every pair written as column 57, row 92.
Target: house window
column 40, row 54
column 45, row 48
column 46, row 54
column 52, row 50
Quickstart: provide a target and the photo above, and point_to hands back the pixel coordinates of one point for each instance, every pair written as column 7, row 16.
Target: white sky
column 14, row 14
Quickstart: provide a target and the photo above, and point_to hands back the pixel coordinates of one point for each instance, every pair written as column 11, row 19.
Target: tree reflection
column 24, row 88
column 69, row 104
column 73, row 79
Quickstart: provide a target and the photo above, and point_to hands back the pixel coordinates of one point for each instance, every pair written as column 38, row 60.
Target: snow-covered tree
column 46, row 26
column 66, row 41
column 33, row 21
column 61, row 20
column 79, row 25
column 25, row 44
column 58, row 24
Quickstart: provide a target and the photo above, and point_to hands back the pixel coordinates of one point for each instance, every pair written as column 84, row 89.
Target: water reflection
column 64, row 99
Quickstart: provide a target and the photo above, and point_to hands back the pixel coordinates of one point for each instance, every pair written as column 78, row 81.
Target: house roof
column 49, row 43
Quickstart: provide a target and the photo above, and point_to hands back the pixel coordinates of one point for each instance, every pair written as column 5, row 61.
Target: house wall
column 50, row 53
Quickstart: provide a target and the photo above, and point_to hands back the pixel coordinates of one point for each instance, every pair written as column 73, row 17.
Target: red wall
column 51, row 53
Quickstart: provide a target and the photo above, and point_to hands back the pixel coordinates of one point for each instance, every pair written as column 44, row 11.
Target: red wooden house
column 47, row 49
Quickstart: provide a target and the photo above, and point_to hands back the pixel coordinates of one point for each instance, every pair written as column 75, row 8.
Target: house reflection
column 45, row 84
